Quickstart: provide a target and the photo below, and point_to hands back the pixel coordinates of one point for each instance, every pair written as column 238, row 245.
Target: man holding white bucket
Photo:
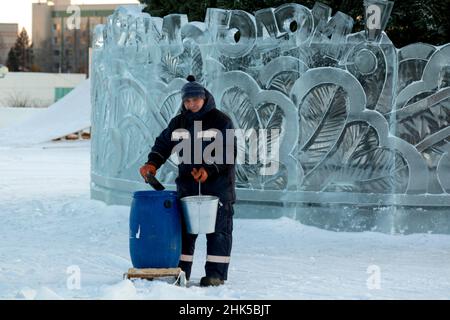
column 216, row 174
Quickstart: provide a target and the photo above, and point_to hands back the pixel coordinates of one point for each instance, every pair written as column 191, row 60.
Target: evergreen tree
column 411, row 20
column 20, row 56
column 419, row 21
column 13, row 62
column 2, row 45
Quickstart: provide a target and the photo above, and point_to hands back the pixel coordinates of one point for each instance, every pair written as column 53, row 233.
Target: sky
column 19, row 11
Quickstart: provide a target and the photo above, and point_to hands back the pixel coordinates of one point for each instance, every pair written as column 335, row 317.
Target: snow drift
column 70, row 114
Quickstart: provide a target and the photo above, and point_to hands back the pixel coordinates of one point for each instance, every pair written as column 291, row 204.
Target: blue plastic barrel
column 155, row 229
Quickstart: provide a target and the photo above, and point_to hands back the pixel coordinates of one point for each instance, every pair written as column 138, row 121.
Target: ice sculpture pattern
column 361, row 122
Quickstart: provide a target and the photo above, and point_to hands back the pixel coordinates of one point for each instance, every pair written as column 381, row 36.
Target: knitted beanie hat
column 192, row 89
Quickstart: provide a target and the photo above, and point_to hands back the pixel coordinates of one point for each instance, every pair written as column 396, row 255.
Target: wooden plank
column 151, row 273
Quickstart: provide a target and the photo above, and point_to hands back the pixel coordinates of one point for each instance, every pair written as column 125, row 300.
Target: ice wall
column 364, row 127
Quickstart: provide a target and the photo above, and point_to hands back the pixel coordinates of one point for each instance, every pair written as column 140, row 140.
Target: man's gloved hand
column 200, row 174
column 147, row 169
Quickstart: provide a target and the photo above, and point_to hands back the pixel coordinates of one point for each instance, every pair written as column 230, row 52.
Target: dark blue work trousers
column 218, row 245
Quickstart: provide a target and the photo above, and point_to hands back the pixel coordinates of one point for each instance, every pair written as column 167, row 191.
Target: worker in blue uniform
column 216, row 174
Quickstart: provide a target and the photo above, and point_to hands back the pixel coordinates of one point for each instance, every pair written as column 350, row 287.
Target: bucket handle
column 200, row 192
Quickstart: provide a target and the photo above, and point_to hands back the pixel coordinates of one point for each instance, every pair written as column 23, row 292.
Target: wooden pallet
column 154, row 273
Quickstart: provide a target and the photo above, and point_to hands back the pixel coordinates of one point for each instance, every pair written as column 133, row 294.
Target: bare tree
column 18, row 99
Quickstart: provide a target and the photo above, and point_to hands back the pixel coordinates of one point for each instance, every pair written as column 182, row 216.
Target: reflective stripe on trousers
column 186, row 258
column 218, row 259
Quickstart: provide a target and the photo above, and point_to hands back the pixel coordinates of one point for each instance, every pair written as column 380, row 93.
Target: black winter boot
column 208, row 282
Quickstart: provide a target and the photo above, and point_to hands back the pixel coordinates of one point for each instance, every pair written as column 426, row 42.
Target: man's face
column 194, row 104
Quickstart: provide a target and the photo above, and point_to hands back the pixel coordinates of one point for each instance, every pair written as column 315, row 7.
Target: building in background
column 8, row 37
column 59, row 43
column 36, row 89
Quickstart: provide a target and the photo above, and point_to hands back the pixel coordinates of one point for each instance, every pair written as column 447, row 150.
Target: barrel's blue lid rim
column 154, row 193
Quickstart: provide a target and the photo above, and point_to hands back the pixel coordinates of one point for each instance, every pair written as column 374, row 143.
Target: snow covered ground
column 51, row 231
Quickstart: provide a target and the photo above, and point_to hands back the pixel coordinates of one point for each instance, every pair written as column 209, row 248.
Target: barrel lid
column 154, row 194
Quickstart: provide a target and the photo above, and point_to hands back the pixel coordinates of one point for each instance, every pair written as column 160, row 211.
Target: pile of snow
column 11, row 116
column 55, row 242
column 119, row 291
column 70, row 114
